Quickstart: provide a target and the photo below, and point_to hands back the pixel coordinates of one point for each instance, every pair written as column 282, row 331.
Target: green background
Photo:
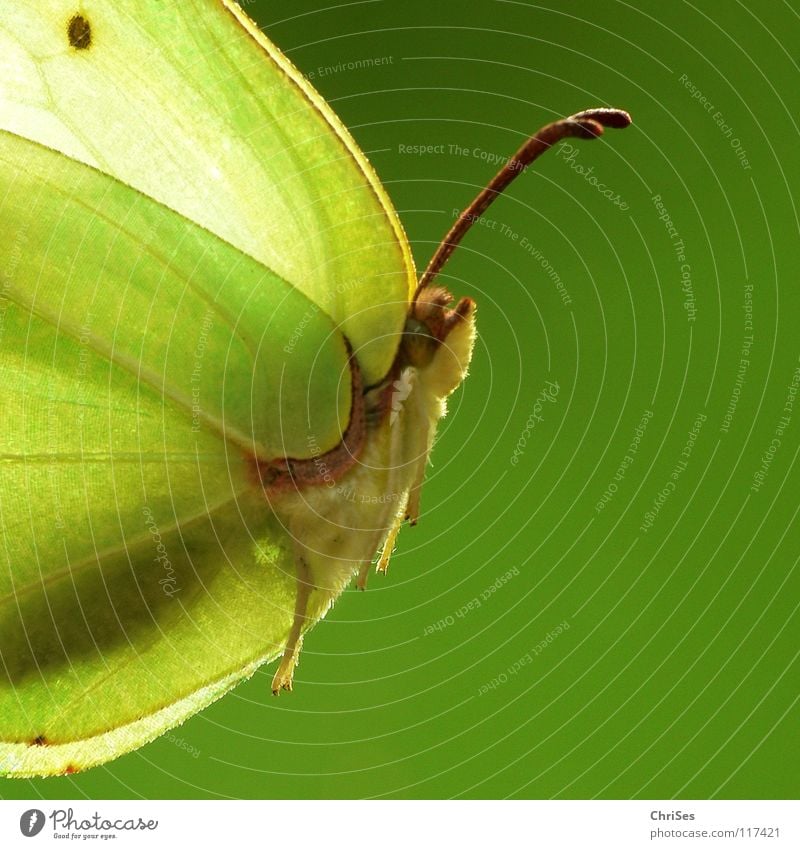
column 671, row 665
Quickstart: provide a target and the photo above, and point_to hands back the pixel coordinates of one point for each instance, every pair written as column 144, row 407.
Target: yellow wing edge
column 342, row 133
column 23, row 760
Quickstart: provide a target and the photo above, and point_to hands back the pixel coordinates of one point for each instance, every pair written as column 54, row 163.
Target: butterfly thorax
column 353, row 515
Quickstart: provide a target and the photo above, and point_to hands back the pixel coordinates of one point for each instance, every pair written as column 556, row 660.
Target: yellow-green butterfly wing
column 141, row 571
column 186, row 101
column 192, row 240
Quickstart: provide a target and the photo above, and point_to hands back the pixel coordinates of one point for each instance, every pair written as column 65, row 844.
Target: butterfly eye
column 419, row 344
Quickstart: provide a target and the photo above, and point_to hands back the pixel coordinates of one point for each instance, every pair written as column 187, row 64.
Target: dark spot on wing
column 41, row 740
column 79, row 32
column 71, row 769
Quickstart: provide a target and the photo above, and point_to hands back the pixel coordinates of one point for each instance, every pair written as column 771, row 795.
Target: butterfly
column 212, row 338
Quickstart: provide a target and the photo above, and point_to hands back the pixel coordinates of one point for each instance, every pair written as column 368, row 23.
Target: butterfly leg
column 389, row 542
column 283, row 677
column 412, row 506
column 363, row 574
column 385, row 540
column 386, row 550
column 412, row 510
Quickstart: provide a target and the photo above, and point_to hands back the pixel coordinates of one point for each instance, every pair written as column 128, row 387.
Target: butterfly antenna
column 583, row 125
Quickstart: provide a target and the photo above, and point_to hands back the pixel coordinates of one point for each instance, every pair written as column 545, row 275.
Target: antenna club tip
column 617, row 119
